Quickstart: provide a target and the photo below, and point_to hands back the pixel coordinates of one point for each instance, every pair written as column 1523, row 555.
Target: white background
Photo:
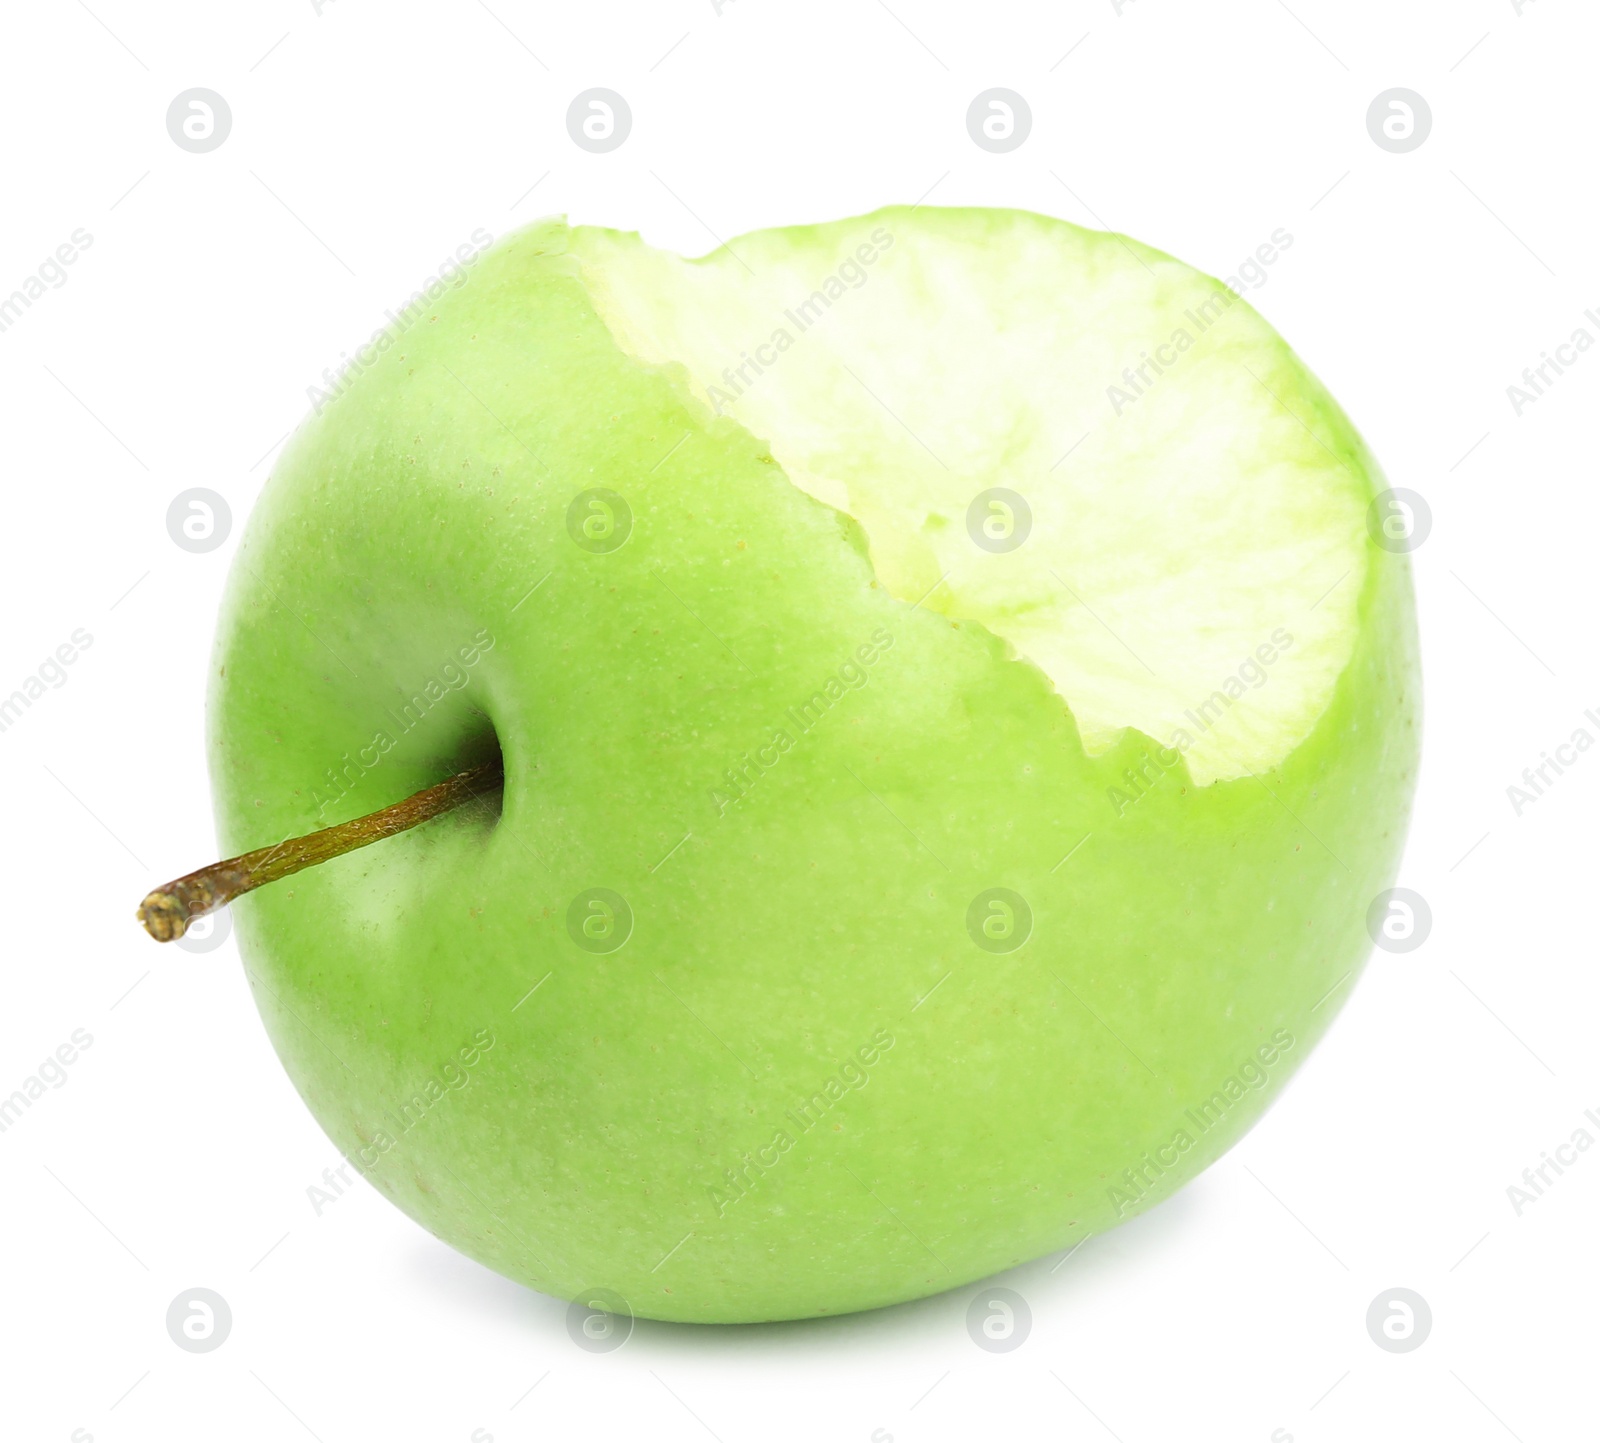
column 367, row 143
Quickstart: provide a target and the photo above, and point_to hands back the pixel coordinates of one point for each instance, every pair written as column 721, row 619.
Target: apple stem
column 167, row 911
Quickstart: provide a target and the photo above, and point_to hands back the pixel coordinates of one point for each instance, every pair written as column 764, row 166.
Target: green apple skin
column 638, row 1120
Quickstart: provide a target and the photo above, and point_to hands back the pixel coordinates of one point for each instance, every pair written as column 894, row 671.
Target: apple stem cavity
column 167, row 911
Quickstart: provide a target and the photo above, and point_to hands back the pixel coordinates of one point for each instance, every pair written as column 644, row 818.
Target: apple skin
column 579, row 1120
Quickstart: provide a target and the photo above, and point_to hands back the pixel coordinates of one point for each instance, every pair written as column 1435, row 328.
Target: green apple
column 955, row 716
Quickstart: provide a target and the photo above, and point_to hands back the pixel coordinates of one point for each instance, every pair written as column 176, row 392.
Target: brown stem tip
column 166, row 913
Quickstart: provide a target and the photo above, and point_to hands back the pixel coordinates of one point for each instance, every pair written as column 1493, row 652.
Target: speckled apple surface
column 803, row 725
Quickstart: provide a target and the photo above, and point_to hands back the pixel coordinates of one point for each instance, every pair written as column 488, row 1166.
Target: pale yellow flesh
column 1184, row 521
